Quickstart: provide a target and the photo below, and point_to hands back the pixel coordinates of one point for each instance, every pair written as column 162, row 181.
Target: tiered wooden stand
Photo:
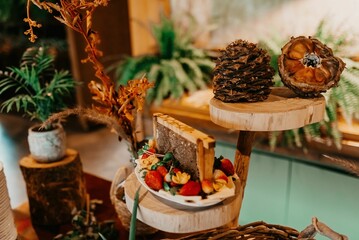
column 281, row 111
column 54, row 189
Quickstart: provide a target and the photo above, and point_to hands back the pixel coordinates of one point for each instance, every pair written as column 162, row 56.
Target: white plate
column 188, row 201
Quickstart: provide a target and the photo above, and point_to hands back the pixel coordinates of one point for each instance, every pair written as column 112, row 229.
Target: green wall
column 286, row 191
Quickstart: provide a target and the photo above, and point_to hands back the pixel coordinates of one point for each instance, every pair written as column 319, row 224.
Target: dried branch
column 327, row 231
column 76, row 15
column 90, row 114
column 94, row 116
column 32, row 23
column 321, row 228
column 121, row 104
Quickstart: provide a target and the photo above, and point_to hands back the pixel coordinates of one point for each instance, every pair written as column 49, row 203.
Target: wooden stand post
column 243, row 154
column 54, row 189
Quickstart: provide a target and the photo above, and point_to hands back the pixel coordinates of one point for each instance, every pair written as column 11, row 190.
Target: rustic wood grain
column 281, row 111
column 158, row 214
column 54, row 189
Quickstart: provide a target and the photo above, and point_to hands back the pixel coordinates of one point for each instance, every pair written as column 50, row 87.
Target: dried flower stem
column 93, row 115
column 31, row 23
column 120, row 104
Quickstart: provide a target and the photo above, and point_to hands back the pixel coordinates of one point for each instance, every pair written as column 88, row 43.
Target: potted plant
column 38, row 90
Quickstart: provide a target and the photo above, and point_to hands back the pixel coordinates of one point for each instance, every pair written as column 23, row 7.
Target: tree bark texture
column 54, row 189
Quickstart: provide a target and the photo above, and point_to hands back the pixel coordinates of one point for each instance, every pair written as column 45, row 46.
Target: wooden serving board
column 283, row 110
column 158, row 214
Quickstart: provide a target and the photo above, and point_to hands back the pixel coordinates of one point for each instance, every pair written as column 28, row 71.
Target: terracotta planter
column 49, row 145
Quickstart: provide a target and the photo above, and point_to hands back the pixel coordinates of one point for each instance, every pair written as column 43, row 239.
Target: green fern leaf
column 165, row 36
column 197, row 76
column 181, row 75
column 40, row 59
column 205, row 64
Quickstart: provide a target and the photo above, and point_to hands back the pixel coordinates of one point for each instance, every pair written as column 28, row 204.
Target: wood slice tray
column 174, row 219
column 282, row 110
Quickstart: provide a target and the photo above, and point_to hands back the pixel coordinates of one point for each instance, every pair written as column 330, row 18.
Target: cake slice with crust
column 192, row 148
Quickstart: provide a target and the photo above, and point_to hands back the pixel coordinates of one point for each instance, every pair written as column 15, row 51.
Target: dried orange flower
column 309, row 67
column 120, row 103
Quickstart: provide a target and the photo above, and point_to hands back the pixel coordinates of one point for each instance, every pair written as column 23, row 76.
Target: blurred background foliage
column 13, row 42
column 178, row 67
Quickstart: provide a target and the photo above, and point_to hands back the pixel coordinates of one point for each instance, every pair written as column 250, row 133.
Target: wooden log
column 54, row 189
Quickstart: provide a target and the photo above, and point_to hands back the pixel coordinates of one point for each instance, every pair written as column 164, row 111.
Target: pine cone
column 308, row 67
column 242, row 73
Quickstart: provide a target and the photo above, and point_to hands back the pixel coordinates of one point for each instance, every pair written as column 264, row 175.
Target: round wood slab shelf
column 155, row 213
column 282, row 110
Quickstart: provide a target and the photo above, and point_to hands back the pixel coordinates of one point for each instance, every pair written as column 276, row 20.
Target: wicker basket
column 253, row 231
column 117, row 194
column 264, row 231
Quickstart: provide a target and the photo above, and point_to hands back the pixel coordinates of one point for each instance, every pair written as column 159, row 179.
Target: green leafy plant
column 178, row 67
column 35, row 88
column 117, row 107
column 343, row 99
column 86, row 226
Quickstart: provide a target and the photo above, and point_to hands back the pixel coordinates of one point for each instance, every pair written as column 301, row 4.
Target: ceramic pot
column 47, row 145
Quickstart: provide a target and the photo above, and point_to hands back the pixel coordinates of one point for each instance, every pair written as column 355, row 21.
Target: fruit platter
column 165, row 177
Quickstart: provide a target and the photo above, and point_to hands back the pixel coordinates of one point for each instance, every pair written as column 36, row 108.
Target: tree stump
column 54, row 189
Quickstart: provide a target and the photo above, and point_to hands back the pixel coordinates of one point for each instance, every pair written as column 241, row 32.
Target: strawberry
column 148, row 153
column 162, row 170
column 154, row 180
column 191, row 188
column 227, row 167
